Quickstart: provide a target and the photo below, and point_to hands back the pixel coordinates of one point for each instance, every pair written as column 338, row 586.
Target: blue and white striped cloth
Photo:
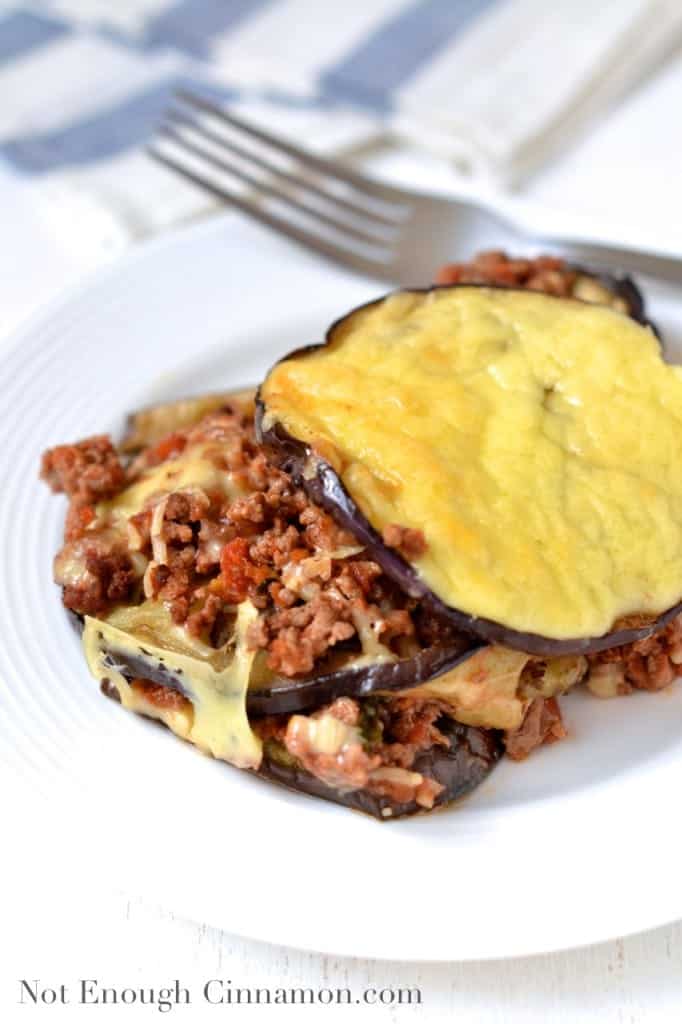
column 494, row 85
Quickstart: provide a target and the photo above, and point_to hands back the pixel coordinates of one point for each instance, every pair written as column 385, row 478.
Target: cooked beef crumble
column 544, row 274
column 548, row 274
column 542, row 723
column 649, row 664
column 410, row 543
column 378, row 744
column 95, row 569
column 86, row 472
column 201, row 552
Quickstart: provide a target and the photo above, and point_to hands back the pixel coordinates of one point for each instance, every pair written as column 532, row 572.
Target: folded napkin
column 525, row 76
column 497, row 86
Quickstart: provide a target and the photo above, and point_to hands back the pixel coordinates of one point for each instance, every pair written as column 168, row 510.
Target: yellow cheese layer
column 536, row 442
column 197, row 466
column 219, row 723
column 488, row 689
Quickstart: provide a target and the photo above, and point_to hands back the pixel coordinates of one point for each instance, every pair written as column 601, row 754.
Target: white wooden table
column 629, row 173
column 123, row 942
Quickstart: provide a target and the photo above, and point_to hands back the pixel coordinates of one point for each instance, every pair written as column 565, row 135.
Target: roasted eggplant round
column 315, row 466
column 148, row 655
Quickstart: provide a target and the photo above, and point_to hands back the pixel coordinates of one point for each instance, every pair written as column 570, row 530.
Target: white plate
column 580, row 843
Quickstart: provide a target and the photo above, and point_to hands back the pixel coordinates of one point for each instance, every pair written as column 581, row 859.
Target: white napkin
column 497, row 86
column 515, row 88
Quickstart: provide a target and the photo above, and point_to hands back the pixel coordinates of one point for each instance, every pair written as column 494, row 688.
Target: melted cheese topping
column 218, row 724
column 536, row 442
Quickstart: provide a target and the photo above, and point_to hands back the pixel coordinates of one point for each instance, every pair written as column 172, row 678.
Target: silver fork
column 387, row 233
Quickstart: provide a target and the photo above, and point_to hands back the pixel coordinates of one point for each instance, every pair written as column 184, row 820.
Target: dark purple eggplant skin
column 323, row 485
column 461, row 767
column 626, row 289
column 285, row 696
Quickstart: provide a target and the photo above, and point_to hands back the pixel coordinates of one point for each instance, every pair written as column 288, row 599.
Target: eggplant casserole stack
column 375, row 577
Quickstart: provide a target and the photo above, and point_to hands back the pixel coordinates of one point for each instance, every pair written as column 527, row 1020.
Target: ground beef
column 338, row 594
column 203, row 621
column 408, row 727
column 78, row 519
column 547, row 274
column 544, row 273
column 162, row 697
column 382, row 766
column 322, row 532
column 541, row 724
column 212, row 537
column 164, row 449
column 409, row 543
column 411, row 722
column 433, row 629
column 93, row 575
column 297, row 637
column 357, row 577
column 86, row 472
column 201, row 554
column 186, row 506
column 349, row 765
column 649, row 664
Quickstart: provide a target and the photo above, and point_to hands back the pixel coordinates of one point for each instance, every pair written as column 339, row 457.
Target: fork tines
column 317, row 202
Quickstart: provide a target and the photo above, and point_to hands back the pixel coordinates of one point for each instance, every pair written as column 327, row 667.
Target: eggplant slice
column 282, row 695
column 144, row 654
column 471, row 754
column 323, row 484
column 461, row 767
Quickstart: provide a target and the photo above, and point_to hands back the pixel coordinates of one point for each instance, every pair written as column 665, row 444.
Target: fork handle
column 613, row 257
